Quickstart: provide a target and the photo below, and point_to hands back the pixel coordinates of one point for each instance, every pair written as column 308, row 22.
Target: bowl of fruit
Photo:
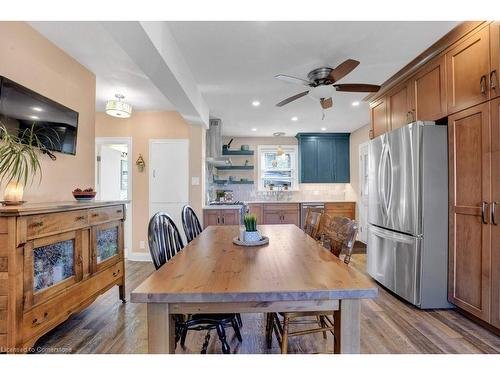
column 84, row 195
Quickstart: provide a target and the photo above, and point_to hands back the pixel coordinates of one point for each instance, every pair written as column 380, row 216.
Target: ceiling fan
column 322, row 83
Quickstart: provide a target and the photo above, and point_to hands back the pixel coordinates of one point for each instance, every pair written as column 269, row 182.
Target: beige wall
column 29, row 59
column 359, row 136
column 143, row 126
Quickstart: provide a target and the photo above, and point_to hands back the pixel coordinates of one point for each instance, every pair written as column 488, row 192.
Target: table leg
column 347, row 322
column 161, row 329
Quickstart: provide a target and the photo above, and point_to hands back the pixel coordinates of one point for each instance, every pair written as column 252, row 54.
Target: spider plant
column 19, row 156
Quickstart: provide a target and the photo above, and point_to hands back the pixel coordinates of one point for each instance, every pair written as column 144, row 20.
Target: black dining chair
column 164, row 243
column 190, row 223
column 192, row 228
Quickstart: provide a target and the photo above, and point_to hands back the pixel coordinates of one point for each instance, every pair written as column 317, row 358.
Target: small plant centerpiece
column 19, row 162
column 251, row 232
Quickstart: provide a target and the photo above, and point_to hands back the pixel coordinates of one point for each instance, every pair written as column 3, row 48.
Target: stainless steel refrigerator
column 407, row 249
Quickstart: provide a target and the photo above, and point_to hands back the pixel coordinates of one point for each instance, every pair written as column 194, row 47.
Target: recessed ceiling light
column 34, row 117
column 37, row 109
column 254, row 129
column 323, row 129
column 355, row 104
column 294, row 118
column 255, row 103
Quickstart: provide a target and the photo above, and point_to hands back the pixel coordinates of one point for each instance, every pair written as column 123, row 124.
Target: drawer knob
column 118, row 211
column 78, row 218
column 95, row 215
column 36, row 322
column 116, row 273
column 37, row 224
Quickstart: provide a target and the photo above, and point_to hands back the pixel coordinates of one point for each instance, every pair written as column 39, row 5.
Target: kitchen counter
column 303, row 201
column 223, row 207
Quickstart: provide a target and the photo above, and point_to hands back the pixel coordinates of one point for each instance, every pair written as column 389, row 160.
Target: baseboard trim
column 139, row 257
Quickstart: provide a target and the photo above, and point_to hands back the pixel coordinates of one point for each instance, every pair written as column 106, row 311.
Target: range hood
column 214, row 138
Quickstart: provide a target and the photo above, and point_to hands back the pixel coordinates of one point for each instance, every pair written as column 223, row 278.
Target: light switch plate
column 142, row 245
column 195, row 181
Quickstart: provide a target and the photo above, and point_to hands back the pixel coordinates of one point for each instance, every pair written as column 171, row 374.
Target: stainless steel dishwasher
column 303, row 210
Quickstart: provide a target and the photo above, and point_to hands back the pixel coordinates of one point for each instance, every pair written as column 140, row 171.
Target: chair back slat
column 339, row 234
column 190, row 223
column 164, row 239
column 312, row 220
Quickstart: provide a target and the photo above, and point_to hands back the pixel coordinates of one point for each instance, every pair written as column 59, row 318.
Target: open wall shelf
column 234, row 167
column 237, row 153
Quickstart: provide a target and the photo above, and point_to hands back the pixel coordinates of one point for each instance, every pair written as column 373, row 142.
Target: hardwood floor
column 388, row 325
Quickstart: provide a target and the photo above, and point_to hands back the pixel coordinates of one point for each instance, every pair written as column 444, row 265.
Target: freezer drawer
column 394, row 260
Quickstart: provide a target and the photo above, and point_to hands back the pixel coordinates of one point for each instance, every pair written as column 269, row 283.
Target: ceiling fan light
column 322, row 91
column 117, row 108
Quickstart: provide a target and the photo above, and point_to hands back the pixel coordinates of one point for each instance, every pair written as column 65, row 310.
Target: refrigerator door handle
column 379, row 178
column 390, row 178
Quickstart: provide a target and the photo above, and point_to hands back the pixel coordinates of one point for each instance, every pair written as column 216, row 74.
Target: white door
column 169, row 178
column 110, row 163
column 363, row 192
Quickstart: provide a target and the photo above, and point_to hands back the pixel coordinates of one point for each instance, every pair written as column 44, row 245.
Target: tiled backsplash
column 312, row 192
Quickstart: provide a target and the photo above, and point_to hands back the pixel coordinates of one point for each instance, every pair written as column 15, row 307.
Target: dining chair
column 192, row 229
column 164, row 243
column 312, row 220
column 338, row 234
column 190, row 223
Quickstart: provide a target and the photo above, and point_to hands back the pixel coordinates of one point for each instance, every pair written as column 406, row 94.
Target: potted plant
column 19, row 162
column 251, row 232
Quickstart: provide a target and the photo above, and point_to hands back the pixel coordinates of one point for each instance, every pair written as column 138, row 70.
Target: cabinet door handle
column 482, row 85
column 493, row 206
column 37, row 224
column 78, row 218
column 483, row 212
column 37, row 322
column 118, row 211
column 218, row 220
column 116, row 273
column 223, row 220
column 493, row 79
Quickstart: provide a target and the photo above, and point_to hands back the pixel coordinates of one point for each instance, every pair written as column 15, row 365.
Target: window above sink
column 278, row 168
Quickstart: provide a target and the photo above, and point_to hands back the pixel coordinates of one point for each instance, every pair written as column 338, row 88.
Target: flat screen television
column 22, row 108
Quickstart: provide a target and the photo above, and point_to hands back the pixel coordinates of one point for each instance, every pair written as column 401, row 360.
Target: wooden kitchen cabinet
column 229, row 216
column 428, row 89
column 378, row 118
column 345, row 209
column 256, row 209
column 399, row 106
column 495, row 59
column 495, row 213
column 469, row 283
column 468, row 71
column 281, row 213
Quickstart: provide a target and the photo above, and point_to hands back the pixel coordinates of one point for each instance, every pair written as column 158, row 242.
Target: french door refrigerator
column 407, row 249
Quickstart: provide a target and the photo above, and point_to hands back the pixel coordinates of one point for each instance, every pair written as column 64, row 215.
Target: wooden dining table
column 291, row 273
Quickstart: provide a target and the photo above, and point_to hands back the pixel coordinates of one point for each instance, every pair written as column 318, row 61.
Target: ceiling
column 91, row 44
column 234, row 64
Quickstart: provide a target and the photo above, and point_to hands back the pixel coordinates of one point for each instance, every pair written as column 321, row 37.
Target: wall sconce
column 140, row 163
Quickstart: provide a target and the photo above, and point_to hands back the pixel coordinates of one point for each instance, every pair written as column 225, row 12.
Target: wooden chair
column 164, row 243
column 338, row 234
column 312, row 220
column 190, row 223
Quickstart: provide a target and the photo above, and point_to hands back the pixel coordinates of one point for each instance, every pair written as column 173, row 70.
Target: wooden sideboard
column 55, row 260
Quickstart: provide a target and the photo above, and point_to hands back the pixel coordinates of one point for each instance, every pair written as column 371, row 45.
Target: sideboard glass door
column 107, row 243
column 51, row 264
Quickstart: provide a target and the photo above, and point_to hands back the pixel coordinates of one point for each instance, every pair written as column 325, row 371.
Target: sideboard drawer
column 39, row 225
column 101, row 215
column 270, row 207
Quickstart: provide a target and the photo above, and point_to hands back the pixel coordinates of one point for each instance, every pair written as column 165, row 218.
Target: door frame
column 363, row 202
column 128, row 219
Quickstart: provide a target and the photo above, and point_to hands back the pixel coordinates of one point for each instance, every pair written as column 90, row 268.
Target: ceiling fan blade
column 342, row 70
column 291, row 99
column 290, row 79
column 326, row 103
column 357, row 87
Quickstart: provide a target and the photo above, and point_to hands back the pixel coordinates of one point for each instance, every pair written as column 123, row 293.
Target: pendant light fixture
column 118, row 108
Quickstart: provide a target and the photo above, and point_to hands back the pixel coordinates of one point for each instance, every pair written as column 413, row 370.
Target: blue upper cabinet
column 324, row 157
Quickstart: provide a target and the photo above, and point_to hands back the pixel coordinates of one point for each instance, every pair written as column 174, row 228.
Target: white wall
column 357, row 137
